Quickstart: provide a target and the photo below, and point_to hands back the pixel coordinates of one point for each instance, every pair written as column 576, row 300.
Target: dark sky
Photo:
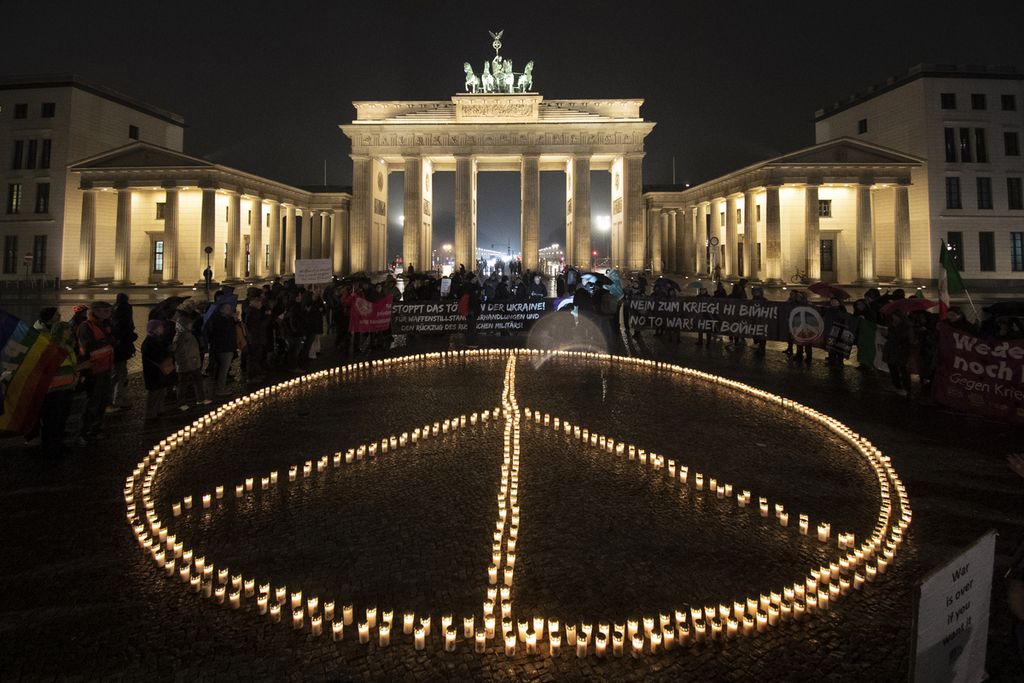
column 263, row 86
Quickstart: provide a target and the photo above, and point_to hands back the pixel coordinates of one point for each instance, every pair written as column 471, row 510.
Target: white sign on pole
column 313, row 271
column 446, row 286
column 952, row 617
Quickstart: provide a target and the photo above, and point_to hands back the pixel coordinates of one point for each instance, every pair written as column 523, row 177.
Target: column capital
column 169, row 185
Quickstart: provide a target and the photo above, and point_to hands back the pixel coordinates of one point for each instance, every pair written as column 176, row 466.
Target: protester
column 256, row 327
column 223, row 344
column 188, row 361
column 96, row 345
column 157, row 368
column 123, row 326
column 896, row 354
column 835, row 326
column 56, row 408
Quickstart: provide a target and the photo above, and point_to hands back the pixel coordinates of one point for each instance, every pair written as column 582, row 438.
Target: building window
column 955, row 243
column 953, row 192
column 984, row 193
column 1011, row 143
column 11, row 254
column 950, row 144
column 14, row 198
column 948, row 100
column 227, row 213
column 49, row 109
column 739, row 216
column 987, row 250
column 965, row 145
column 862, row 126
column 758, row 206
column 21, row 111
column 133, row 132
column 980, row 148
column 158, row 256
column 825, row 208
column 268, row 220
column 44, row 154
column 30, row 155
column 42, row 197
column 1009, row 103
column 249, row 219
column 18, row 158
column 1014, row 194
column 978, row 101
column 266, row 258
column 160, row 208
column 39, row 254
column 721, row 217
column 1017, row 251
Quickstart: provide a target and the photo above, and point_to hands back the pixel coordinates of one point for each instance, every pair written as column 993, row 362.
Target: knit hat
column 80, row 308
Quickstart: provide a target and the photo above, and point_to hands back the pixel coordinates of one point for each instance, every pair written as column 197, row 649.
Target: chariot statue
column 498, row 75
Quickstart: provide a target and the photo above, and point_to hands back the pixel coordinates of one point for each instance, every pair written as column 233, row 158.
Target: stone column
column 208, row 233
column 87, row 238
column 750, row 235
column 634, row 223
column 235, row 256
column 326, row 235
column 659, row 225
column 865, row 237
column 463, row 212
column 732, row 262
column 346, row 240
column 812, row 232
column 310, row 234
column 289, row 240
column 170, row 276
column 773, row 236
column 362, row 213
column 413, row 212
column 674, row 243
column 687, row 254
column 700, row 239
column 901, row 220
column 529, row 184
column 256, row 254
column 274, row 270
column 337, row 243
column 123, row 238
column 581, row 209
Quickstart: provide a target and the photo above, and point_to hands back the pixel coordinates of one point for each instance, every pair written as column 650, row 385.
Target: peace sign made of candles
column 649, row 634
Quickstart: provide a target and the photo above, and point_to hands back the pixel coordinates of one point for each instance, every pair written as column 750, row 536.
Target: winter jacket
column 186, row 350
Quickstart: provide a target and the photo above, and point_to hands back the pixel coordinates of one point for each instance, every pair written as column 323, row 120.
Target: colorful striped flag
column 33, row 361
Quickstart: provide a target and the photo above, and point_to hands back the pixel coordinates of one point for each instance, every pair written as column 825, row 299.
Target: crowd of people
column 191, row 345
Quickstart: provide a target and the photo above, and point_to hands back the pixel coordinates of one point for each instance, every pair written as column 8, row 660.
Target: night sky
column 263, row 86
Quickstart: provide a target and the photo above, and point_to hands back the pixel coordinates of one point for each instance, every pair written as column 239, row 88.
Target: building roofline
column 33, row 82
column 916, row 72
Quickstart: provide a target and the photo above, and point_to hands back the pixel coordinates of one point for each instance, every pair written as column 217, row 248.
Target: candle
column 492, row 573
column 510, row 644
column 188, row 502
column 194, row 583
column 297, row 599
column 600, row 644
column 239, row 490
column 384, row 635
column 425, row 623
column 363, row 629
column 235, row 599
column 468, row 627
column 250, row 587
column 480, row 641
column 329, row 611
column 347, row 614
column 489, row 622
column 617, row 639
column 570, row 635
column 261, row 603
column 316, row 625
column 581, row 645
column 408, row 622
column 176, row 508
column 655, row 642
column 823, row 531
column 371, row 616
column 298, row 618
column 275, row 613
column 523, row 627
column 638, row 645
column 554, row 643
column 762, row 621
column 531, row 643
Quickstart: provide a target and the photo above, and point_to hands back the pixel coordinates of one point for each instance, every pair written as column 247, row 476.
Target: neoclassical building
column 474, row 133
column 147, row 214
column 837, row 211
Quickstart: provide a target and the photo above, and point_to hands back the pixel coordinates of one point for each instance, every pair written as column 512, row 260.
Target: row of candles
column 821, row 586
column 657, row 462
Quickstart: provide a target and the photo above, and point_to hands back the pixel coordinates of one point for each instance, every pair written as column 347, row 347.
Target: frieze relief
column 523, row 139
column 380, row 208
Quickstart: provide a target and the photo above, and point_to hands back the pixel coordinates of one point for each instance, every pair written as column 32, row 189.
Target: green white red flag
column 949, row 279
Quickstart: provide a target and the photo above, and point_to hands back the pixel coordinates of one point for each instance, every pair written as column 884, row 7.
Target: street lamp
column 208, row 273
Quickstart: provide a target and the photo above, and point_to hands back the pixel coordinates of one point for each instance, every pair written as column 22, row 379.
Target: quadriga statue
column 472, row 81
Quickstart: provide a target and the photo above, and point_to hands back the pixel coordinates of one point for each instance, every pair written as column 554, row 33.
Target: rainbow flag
column 33, row 360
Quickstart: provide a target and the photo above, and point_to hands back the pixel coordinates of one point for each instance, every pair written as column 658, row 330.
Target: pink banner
column 980, row 375
column 369, row 316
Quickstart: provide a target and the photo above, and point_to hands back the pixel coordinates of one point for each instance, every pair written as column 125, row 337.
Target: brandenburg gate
column 499, row 124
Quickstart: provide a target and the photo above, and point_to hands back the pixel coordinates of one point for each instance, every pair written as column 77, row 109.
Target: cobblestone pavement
column 600, row 538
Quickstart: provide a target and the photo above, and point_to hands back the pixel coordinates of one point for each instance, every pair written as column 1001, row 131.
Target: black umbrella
column 165, row 309
column 599, row 279
column 665, row 284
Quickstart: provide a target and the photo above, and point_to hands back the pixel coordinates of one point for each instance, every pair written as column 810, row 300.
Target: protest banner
column 979, row 375
column 735, row 317
column 443, row 316
column 313, row 271
column 370, row 316
column 842, row 335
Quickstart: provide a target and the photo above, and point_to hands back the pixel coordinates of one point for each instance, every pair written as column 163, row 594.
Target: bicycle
column 800, row 278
